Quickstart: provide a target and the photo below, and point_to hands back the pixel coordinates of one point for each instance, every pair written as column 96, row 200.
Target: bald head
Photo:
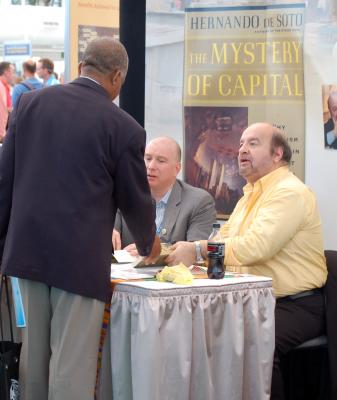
column 105, row 55
column 332, row 105
column 170, row 143
column 29, row 68
column 262, row 126
column 332, row 99
column 162, row 160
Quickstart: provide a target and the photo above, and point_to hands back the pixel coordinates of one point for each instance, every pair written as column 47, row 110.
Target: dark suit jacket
column 189, row 215
column 329, row 126
column 70, row 159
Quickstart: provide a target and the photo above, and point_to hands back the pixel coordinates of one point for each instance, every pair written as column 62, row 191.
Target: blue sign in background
column 17, row 50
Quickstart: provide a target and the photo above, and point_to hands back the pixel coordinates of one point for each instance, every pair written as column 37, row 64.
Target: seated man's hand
column 116, row 240
column 132, row 249
column 182, row 252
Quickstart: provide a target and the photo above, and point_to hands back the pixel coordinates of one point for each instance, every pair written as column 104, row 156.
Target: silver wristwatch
column 198, row 252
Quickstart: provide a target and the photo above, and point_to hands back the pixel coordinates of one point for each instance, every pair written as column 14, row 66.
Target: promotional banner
column 87, row 20
column 242, row 65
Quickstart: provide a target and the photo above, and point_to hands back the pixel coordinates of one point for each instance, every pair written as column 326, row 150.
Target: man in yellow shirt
column 275, row 230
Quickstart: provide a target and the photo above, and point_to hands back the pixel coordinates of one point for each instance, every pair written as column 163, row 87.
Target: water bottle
column 215, row 255
column 214, row 236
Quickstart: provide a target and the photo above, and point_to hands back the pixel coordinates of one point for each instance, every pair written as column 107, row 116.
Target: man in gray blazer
column 183, row 212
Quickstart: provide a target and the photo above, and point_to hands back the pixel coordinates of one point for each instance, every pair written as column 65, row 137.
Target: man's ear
column 115, row 76
column 178, row 167
column 278, row 154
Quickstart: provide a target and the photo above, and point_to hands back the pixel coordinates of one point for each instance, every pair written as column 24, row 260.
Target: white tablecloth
column 210, row 341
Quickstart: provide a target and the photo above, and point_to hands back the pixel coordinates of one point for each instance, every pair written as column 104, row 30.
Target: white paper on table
column 123, row 256
column 127, row 271
column 130, row 273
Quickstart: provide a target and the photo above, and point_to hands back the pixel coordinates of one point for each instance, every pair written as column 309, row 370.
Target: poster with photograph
column 87, row 20
column 329, row 96
column 243, row 64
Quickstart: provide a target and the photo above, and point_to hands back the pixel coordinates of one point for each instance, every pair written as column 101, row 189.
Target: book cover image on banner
column 213, row 135
column 243, row 64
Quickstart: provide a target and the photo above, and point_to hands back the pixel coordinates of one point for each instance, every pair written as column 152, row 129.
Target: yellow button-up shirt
column 275, row 231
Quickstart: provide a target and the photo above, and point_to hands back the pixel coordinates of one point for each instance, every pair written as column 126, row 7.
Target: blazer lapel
column 171, row 212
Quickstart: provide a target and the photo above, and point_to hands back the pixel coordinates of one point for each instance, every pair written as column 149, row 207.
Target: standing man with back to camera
column 62, row 177
column 275, row 230
column 30, row 82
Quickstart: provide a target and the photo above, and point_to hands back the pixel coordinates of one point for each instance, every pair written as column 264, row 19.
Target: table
column 209, row 341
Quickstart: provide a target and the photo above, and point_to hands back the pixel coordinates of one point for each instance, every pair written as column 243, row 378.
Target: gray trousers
column 104, row 391
column 59, row 345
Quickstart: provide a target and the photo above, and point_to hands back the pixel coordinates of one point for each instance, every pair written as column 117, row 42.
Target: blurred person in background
column 30, row 82
column 6, row 80
column 45, row 71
